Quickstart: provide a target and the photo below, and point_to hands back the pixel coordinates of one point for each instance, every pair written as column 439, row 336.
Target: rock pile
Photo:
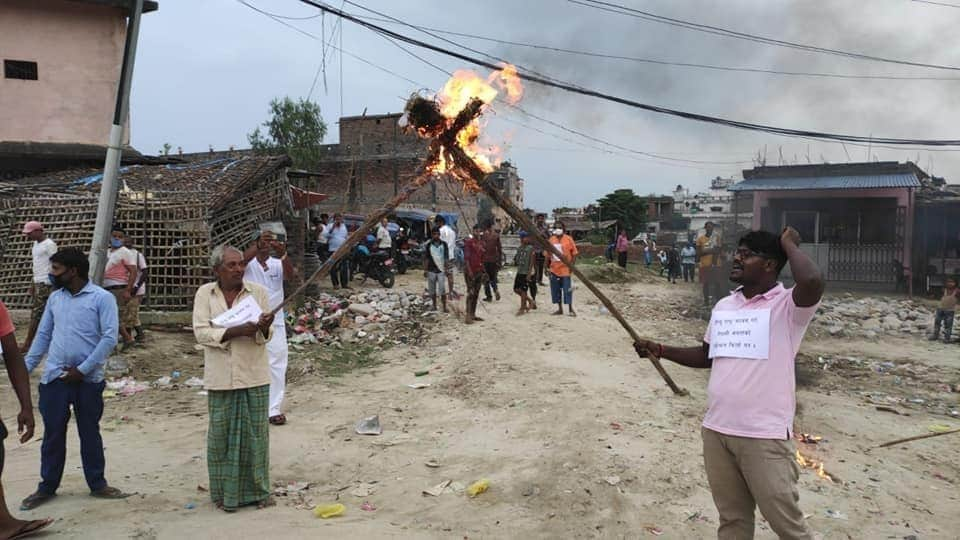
column 871, row 317
column 376, row 315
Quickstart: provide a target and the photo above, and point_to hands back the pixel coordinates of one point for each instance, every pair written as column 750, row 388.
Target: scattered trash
column 175, row 375
column 421, row 373
column 438, row 489
column 418, row 385
column 292, row 488
column 327, row 511
column 612, row 480
column 126, row 386
column 882, row 408
column 369, row 426
column 615, row 426
column 938, row 428
column 116, row 366
column 656, row 531
column 698, row 516
column 202, row 488
column 809, row 439
column 163, row 381
column 194, row 382
column 835, row 514
column 432, row 463
column 478, row 487
column 364, row 490
column 367, row 507
column 189, row 506
column 109, row 394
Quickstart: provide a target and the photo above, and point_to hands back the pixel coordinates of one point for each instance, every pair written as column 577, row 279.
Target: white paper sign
column 247, row 310
column 743, row 333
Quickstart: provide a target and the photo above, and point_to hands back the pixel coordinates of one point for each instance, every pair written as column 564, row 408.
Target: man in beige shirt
column 237, row 377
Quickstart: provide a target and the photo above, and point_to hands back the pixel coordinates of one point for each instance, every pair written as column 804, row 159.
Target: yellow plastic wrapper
column 326, row 511
column 478, row 487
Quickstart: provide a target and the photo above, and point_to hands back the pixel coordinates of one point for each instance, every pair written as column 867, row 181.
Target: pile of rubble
column 871, row 317
column 377, row 316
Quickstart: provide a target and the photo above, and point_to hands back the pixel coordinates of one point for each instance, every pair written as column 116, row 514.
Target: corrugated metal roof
column 901, row 180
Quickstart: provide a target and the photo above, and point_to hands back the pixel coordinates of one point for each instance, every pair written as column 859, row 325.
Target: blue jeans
column 945, row 318
column 55, row 400
column 560, row 289
column 340, row 273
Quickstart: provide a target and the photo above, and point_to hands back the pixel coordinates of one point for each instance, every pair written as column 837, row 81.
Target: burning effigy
column 452, row 121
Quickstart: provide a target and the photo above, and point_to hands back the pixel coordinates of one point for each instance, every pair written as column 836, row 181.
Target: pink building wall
column 904, row 197
column 78, row 48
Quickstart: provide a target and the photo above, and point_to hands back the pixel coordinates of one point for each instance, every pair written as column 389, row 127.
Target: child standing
column 524, row 281
column 435, row 264
column 944, row 315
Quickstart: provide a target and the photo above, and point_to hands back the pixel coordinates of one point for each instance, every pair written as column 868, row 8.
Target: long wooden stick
column 918, row 437
column 464, row 163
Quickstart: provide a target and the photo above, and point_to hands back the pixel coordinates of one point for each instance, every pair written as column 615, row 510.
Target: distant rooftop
column 148, row 5
column 875, row 175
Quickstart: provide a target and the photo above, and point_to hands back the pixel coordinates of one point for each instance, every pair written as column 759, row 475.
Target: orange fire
column 458, row 91
column 810, row 463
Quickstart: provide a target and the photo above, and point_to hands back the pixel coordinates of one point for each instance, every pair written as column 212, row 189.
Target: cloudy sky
column 207, row 69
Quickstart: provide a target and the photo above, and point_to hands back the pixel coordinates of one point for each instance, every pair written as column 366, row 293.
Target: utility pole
column 111, row 167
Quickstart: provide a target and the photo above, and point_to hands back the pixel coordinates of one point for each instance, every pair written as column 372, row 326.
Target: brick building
column 373, row 160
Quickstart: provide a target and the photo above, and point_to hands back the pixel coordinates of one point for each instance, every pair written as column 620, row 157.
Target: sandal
column 266, row 503
column 109, row 492
column 220, row 506
column 278, row 420
column 35, row 500
column 32, row 527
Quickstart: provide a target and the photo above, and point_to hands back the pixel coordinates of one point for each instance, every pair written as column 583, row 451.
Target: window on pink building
column 20, row 69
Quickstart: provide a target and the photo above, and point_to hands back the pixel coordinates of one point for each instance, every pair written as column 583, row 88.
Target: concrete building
column 856, row 219
column 717, row 204
column 61, row 65
column 509, row 182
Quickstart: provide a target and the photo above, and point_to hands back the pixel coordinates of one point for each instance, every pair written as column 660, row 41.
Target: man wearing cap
column 40, row 286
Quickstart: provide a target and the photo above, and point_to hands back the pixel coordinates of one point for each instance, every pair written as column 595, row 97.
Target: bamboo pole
column 464, row 163
column 918, row 437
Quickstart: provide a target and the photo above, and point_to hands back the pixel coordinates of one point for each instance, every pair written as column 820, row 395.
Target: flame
column 810, row 463
column 459, row 90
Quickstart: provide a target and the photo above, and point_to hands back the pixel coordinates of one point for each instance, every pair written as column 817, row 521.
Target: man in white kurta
column 269, row 266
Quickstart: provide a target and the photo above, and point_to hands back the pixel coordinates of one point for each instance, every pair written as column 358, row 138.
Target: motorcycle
column 377, row 265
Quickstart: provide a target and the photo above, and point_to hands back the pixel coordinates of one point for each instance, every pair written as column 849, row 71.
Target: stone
column 117, row 366
column 836, row 331
column 870, row 334
column 365, row 310
column 872, row 324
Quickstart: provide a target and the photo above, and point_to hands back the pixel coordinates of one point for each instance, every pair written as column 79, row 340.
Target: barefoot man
column 750, row 346
column 10, row 527
column 236, row 374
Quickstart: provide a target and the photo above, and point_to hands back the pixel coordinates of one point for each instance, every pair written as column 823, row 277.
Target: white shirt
column 449, row 237
column 42, row 251
column 119, row 259
column 324, row 236
column 271, row 279
column 383, row 238
column 141, row 266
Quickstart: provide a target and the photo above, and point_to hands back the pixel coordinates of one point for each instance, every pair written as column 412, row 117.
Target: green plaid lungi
column 238, row 446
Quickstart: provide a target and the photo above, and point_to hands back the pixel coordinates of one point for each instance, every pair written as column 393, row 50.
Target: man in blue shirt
column 77, row 331
column 336, row 236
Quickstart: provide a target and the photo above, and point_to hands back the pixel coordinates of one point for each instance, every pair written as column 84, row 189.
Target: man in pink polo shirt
column 750, row 345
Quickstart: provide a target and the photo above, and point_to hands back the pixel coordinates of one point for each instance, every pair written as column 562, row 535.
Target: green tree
column 624, row 206
column 295, row 128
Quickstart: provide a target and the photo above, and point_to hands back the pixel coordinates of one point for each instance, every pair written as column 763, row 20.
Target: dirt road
column 578, row 437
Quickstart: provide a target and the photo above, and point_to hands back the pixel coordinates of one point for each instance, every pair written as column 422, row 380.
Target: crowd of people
column 75, row 324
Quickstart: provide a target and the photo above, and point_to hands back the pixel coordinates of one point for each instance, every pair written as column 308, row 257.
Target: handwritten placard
column 244, row 311
column 743, row 333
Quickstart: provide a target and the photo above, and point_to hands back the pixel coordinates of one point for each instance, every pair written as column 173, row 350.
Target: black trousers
column 541, row 263
column 622, row 259
column 491, row 269
column 340, row 273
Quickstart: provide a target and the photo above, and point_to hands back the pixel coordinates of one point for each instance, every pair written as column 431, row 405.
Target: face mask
column 55, row 281
column 115, row 243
